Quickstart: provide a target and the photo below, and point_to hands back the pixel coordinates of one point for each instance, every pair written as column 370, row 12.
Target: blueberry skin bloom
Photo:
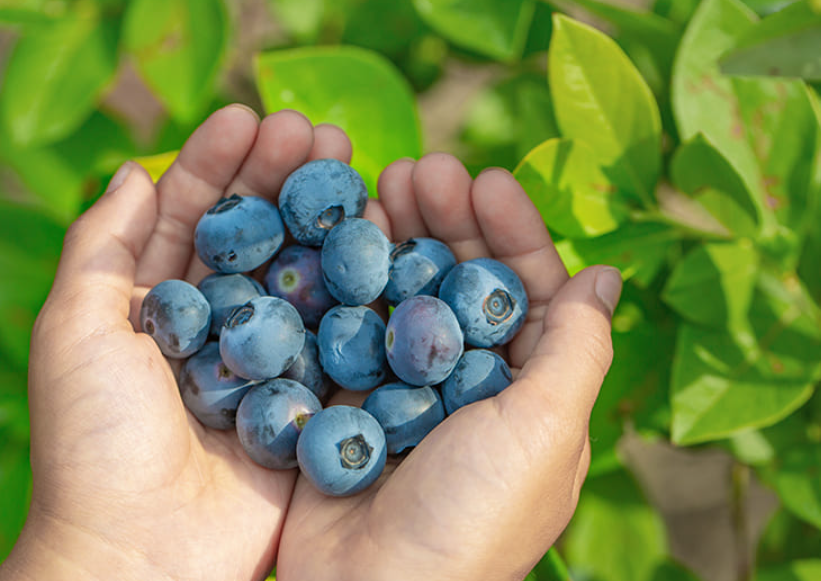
column 342, row 450
column 210, row 390
column 239, row 233
column 226, row 292
column 351, row 344
column 271, row 418
column 480, row 374
column 307, row 370
column 423, row 340
column 417, row 267
column 262, row 338
column 406, row 413
column 489, row 300
column 355, row 261
column 317, row 196
column 177, row 315
column 296, row 276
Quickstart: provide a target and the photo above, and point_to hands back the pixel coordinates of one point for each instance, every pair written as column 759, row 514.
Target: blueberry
column 307, row 370
column 489, row 300
column 417, row 267
column 239, row 233
column 210, row 390
column 351, row 344
column 355, row 261
column 406, row 413
column 226, row 292
column 317, row 196
column 423, row 340
column 342, row 450
column 480, row 374
column 296, row 276
column 271, row 418
column 177, row 316
column 262, row 338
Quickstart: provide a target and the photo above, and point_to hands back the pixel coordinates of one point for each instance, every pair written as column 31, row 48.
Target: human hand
column 489, row 490
column 127, row 484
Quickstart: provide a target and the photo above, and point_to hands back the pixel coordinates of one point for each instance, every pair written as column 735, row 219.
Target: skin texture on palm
column 128, row 483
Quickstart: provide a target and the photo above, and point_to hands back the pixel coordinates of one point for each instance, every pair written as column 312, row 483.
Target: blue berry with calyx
column 177, row 316
column 406, row 413
column 351, row 344
column 355, row 261
column 270, row 419
column 296, row 276
column 480, row 374
column 226, row 292
column 239, row 233
column 417, row 267
column 342, row 450
column 319, row 195
column 489, row 300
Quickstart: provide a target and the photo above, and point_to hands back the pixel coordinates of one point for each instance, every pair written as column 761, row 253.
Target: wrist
column 50, row 549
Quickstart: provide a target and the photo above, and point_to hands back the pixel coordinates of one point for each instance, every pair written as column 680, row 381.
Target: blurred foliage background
column 676, row 139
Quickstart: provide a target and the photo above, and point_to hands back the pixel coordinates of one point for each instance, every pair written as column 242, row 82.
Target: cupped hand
column 489, row 490
column 127, row 484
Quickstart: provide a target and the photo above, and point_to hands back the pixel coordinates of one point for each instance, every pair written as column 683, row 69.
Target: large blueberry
column 489, row 300
column 317, row 196
column 423, row 340
column 226, row 292
column 296, row 276
column 271, row 418
column 406, row 413
column 355, row 261
column 177, row 315
column 210, row 390
column 262, row 338
column 351, row 344
column 480, row 374
column 342, row 450
column 307, row 370
column 239, row 233
column 417, row 267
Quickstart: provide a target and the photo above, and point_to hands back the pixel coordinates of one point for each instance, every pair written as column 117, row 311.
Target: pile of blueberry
column 264, row 359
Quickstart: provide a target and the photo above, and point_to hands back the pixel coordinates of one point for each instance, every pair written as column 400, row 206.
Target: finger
column 331, row 141
column 560, row 382
column 375, row 212
column 518, row 237
column 442, row 186
column 581, row 472
column 395, row 187
column 93, row 285
column 205, row 166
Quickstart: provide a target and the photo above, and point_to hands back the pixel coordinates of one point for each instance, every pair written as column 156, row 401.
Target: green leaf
column 677, row 11
column 15, row 482
column 614, row 535
column 713, row 284
column 763, row 127
column 178, row 47
column 494, row 28
column 600, row 98
column 637, row 249
column 699, row 170
column 798, row 482
column 726, row 381
column 672, row 571
column 787, row 538
column 565, row 182
column 56, row 74
column 356, row 89
column 807, row 570
column 301, row 18
column 550, row 568
column 784, row 44
column 32, row 12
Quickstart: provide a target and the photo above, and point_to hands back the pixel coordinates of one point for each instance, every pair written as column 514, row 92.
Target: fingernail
column 118, row 179
column 608, row 287
column 245, row 108
column 494, row 168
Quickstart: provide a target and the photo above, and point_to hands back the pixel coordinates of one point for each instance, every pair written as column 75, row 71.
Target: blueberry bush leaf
column 489, row 27
column 178, row 46
column 56, row 73
column 356, row 89
column 783, row 44
column 713, row 283
column 804, row 570
column 563, row 178
column 600, row 98
column 726, row 381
